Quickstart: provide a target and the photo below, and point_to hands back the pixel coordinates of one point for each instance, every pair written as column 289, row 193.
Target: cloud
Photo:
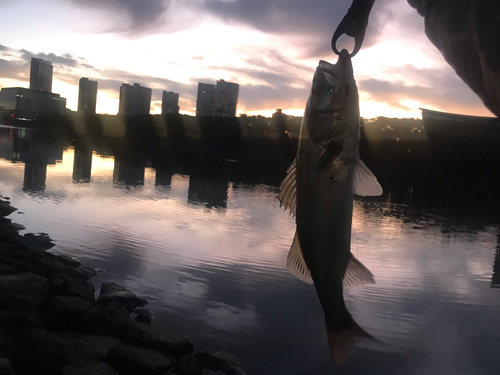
column 142, row 16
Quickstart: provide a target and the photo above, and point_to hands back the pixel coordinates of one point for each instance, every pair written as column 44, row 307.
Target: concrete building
column 226, row 98
column 19, row 102
column 87, row 96
column 205, row 100
column 169, row 102
column 41, row 75
column 134, row 100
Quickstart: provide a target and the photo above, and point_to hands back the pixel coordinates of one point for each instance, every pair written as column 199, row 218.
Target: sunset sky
column 269, row 47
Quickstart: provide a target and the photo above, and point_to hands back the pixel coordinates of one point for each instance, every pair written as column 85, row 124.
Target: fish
column 319, row 189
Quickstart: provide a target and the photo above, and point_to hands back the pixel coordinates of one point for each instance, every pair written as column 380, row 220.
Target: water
column 208, row 247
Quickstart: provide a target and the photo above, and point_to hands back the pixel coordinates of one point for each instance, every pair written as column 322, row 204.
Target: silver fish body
column 325, row 175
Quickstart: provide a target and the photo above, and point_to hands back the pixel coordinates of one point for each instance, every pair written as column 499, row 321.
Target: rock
column 220, row 361
column 42, row 240
column 5, row 269
column 64, row 285
column 82, row 272
column 10, row 251
column 21, row 266
column 131, row 360
column 6, row 342
column 6, row 209
column 69, row 261
column 5, row 367
column 40, row 352
column 73, row 313
column 92, row 368
column 23, row 291
column 150, row 337
column 14, row 320
column 101, row 344
column 188, row 365
column 142, row 319
column 115, row 312
column 113, row 292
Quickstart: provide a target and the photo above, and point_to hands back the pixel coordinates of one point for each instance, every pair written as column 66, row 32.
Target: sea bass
column 318, row 190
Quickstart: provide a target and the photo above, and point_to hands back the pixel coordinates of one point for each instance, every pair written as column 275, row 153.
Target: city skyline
column 269, row 49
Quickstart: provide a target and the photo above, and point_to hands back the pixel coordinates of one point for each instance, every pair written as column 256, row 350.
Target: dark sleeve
column 467, row 32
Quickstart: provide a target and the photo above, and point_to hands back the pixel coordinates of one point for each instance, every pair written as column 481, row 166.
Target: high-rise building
column 41, row 75
column 134, row 100
column 169, row 102
column 205, row 100
column 226, row 98
column 87, row 96
column 25, row 103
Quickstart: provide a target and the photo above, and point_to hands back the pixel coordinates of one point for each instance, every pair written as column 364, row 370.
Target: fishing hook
column 354, row 25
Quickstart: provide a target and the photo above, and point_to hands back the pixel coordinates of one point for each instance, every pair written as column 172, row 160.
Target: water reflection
column 495, row 279
column 206, row 238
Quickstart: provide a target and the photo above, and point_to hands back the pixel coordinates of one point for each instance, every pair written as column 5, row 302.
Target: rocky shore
column 51, row 322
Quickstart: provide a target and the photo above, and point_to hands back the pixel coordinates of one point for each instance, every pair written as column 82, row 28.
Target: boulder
column 151, row 337
column 6, row 209
column 5, row 269
column 116, row 313
column 220, row 361
column 91, row 368
column 188, row 365
column 40, row 352
column 131, row 360
column 82, row 272
column 11, row 251
column 100, row 343
column 6, row 342
column 23, row 291
column 73, row 313
column 5, row 367
column 68, row 260
column 21, row 266
column 14, row 320
column 113, row 292
column 64, row 285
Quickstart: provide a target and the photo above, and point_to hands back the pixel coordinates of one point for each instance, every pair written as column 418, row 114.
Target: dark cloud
column 142, row 15
column 65, row 59
column 3, row 48
column 440, row 88
column 14, row 69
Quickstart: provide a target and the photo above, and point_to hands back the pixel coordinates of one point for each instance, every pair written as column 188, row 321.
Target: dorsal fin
column 364, row 182
column 355, row 274
column 288, row 189
column 296, row 263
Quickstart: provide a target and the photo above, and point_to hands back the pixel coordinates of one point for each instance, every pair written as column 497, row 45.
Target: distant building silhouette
column 226, row 98
column 41, row 75
column 205, row 100
column 87, row 96
column 20, row 102
column 169, row 102
column 134, row 100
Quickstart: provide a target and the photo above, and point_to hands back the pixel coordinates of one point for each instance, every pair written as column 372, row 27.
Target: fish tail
column 342, row 343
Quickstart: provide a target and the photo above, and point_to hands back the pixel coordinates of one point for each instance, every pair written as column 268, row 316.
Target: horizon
column 270, row 52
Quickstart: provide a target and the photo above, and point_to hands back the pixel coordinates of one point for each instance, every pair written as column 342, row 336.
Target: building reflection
column 82, row 164
column 35, row 176
column 37, row 151
column 163, row 177
column 128, row 173
column 211, row 191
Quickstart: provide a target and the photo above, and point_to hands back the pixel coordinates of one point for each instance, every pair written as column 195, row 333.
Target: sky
column 269, row 47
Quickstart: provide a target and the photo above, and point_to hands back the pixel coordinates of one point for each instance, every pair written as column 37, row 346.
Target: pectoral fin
column 357, row 274
column 296, row 263
column 288, row 189
column 364, row 182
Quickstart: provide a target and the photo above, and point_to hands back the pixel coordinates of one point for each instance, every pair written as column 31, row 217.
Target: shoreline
column 52, row 323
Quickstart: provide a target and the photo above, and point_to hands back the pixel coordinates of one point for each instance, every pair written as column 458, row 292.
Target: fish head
column 333, row 101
